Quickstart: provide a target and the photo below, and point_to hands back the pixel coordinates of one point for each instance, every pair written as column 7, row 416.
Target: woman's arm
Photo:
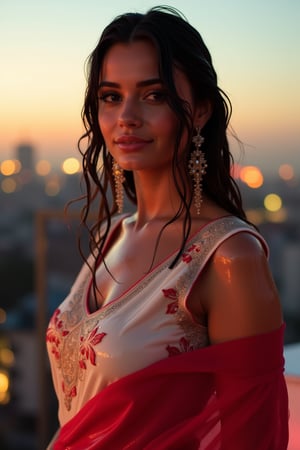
column 238, row 293
column 241, row 300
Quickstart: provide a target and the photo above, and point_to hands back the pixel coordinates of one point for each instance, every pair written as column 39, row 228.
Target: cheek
column 169, row 127
column 106, row 122
column 166, row 125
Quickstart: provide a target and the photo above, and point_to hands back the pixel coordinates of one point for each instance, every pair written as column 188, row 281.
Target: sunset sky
column 255, row 47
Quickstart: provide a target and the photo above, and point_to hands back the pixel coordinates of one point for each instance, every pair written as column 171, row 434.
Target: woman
column 171, row 337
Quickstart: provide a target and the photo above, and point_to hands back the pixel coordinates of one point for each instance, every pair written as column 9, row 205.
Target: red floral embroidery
column 187, row 258
column 88, row 340
column 172, row 308
column 55, row 332
column 195, row 247
column 172, row 294
column 55, row 352
column 86, row 347
column 69, row 392
column 184, row 346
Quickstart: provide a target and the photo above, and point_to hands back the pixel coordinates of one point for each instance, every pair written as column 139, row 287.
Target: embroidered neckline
column 162, row 265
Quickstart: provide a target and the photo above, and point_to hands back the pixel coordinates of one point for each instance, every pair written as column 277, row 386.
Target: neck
column 157, row 197
column 162, row 212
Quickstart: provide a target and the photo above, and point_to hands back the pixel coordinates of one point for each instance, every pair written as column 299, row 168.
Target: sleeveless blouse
column 148, row 323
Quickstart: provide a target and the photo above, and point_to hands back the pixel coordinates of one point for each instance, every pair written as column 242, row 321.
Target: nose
column 130, row 114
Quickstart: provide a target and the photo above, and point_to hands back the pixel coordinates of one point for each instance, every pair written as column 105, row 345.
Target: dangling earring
column 197, row 168
column 119, row 180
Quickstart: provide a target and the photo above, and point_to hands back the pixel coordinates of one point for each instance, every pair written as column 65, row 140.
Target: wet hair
column 178, row 44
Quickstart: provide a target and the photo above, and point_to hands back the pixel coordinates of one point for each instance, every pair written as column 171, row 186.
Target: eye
column 109, row 97
column 157, row 96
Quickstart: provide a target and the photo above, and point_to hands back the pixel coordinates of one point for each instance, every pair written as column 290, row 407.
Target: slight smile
column 131, row 143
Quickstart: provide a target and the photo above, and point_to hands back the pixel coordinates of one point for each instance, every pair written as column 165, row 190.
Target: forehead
column 129, row 64
column 135, row 59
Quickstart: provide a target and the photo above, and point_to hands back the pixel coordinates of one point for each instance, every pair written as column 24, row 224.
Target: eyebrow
column 143, row 83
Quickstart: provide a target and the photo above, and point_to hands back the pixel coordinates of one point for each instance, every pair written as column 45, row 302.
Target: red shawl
column 229, row 396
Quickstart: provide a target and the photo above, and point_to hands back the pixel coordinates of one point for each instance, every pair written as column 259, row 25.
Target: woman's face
column 135, row 119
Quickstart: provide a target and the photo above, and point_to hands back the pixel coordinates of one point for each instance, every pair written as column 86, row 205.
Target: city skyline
column 255, row 48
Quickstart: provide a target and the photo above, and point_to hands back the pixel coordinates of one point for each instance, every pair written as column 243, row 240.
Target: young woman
column 171, row 337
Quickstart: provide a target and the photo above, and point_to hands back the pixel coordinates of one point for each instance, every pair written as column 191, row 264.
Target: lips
column 126, row 139
column 131, row 143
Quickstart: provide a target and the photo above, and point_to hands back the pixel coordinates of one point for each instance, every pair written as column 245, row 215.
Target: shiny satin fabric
column 229, row 396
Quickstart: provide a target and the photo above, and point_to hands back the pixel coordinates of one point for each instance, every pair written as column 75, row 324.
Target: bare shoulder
column 241, row 247
column 240, row 295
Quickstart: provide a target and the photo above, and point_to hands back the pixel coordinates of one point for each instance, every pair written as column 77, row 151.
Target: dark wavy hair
column 178, row 45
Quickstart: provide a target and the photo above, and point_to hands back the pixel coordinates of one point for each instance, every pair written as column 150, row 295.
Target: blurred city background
column 43, row 48
column 39, row 260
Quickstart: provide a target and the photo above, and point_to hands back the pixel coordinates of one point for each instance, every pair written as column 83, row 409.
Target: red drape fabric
column 229, row 396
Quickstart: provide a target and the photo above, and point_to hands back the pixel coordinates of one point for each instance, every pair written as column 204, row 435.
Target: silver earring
column 197, row 169
column 119, row 180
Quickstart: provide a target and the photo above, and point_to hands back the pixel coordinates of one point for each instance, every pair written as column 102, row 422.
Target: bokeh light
column 8, row 185
column 43, row 167
column 18, row 166
column 255, row 216
column 279, row 216
column 272, row 202
column 7, row 357
column 286, row 172
column 4, row 387
column 235, row 170
column 70, row 166
column 8, row 167
column 52, row 187
column 252, row 176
